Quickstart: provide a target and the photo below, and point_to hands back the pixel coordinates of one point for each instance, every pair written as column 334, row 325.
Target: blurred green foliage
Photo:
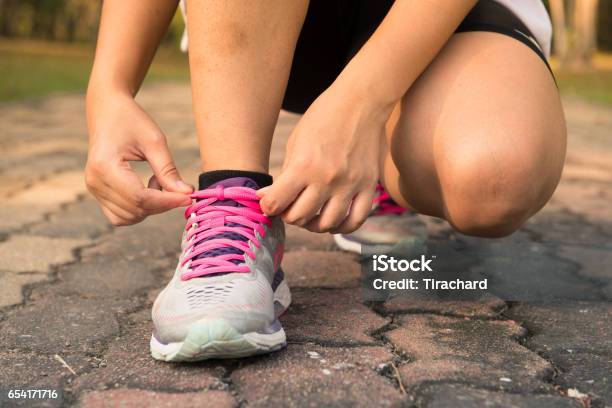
column 77, row 20
column 61, row 20
column 46, row 46
column 31, row 68
column 26, row 75
column 591, row 85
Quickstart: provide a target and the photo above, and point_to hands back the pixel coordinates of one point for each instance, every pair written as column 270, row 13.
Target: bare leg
column 480, row 138
column 240, row 56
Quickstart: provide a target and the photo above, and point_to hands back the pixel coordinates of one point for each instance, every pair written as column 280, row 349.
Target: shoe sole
column 347, row 244
column 216, row 338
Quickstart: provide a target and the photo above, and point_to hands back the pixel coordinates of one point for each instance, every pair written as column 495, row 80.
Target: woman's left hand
column 331, row 166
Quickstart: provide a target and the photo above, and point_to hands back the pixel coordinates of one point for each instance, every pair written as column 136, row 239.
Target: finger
column 155, row 201
column 107, row 194
column 118, row 211
column 118, row 184
column 126, row 183
column 113, row 216
column 332, row 215
column 159, row 157
column 306, row 206
column 359, row 211
column 149, row 201
column 132, row 215
column 276, row 198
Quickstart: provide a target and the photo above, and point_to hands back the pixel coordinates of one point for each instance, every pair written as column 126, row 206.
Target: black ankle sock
column 211, row 177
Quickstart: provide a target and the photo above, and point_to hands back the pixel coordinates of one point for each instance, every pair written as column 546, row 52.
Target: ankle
column 240, row 178
column 235, row 164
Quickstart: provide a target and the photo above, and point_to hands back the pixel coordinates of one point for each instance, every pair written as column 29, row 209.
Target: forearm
column 407, row 40
column 130, row 32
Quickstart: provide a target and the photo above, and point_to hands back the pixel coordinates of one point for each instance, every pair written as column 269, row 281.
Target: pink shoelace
column 384, row 204
column 222, row 220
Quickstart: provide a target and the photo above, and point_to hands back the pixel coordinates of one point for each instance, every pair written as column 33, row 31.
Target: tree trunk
column 557, row 11
column 583, row 35
column 575, row 33
column 586, row 32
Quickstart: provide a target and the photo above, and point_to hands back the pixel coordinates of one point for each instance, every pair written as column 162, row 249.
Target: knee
column 492, row 220
column 489, row 195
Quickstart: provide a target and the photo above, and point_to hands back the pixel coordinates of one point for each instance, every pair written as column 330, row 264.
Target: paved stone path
column 75, row 294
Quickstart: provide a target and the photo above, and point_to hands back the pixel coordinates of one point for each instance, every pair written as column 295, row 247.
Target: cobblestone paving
column 75, row 293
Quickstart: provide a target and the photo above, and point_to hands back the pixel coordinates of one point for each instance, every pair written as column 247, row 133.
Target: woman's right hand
column 120, row 131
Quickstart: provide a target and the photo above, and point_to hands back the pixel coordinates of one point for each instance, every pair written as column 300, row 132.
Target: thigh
column 320, row 52
column 333, row 32
column 483, row 122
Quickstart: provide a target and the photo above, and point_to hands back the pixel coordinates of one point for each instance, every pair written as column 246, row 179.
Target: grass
column 31, row 69
column 594, row 84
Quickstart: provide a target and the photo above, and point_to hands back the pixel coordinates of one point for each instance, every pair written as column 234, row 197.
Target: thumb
column 165, row 170
column 276, row 198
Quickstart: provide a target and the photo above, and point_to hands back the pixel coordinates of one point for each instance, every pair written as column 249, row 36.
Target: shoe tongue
column 229, row 182
column 234, row 182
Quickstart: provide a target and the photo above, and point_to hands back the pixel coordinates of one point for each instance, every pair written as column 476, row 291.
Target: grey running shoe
column 386, row 225
column 228, row 288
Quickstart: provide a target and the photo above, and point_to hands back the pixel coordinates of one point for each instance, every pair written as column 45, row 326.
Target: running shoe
column 228, row 288
column 386, row 225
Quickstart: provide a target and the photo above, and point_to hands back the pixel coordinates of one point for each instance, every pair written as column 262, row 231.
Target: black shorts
column 335, row 30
